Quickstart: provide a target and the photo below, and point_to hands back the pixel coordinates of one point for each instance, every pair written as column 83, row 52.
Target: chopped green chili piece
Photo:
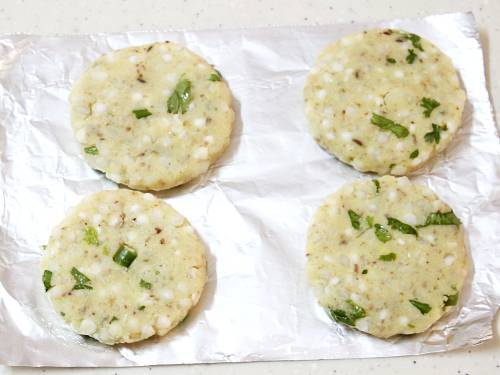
column 141, row 113
column 364, row 272
column 388, row 257
column 415, row 40
column 355, row 219
column 451, row 299
column 47, row 279
column 400, row 226
column 377, row 186
column 81, row 280
column 215, row 77
column 92, row 150
column 125, row 255
column 349, row 318
column 435, row 134
column 441, row 218
column 429, row 105
column 410, row 58
column 390, row 60
column 62, row 313
column 386, row 124
column 114, row 318
column 179, row 101
column 142, row 307
column 370, row 221
column 145, row 284
column 414, row 154
column 424, row 308
column 382, row 233
column 90, row 236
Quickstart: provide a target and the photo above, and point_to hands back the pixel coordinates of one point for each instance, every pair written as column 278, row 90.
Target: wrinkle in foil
column 252, row 208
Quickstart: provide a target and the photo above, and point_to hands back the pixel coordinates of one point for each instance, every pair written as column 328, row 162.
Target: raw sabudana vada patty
column 123, row 266
column 383, row 101
column 151, row 117
column 386, row 256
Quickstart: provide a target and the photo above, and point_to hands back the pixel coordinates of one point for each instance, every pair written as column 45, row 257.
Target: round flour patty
column 153, row 116
column 123, row 266
column 386, row 256
column 383, row 101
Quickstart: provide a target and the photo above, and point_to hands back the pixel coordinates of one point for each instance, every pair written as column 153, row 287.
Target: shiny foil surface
column 252, row 208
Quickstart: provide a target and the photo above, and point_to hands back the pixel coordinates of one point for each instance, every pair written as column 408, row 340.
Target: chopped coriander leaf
column 435, row 134
column 141, row 113
column 364, row 272
column 145, row 284
column 451, row 299
column 402, row 227
column 388, row 257
column 215, row 77
column 125, row 255
column 384, row 123
column 424, row 308
column 415, row 40
column 90, row 236
column 114, row 318
column 370, row 221
column 340, row 316
column 382, row 233
column 142, row 307
column 179, row 101
column 390, row 60
column 410, row 58
column 62, row 314
column 355, row 219
column 81, row 280
column 47, row 279
column 414, row 154
column 357, row 312
column 429, row 105
column 377, row 186
column 441, row 218
column 92, row 150
column 349, row 318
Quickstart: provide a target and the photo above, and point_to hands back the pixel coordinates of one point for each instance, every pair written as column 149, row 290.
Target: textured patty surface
column 386, row 257
column 90, row 282
column 153, row 116
column 383, row 101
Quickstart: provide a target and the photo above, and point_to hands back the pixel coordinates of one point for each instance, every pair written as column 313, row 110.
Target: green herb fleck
column 414, row 154
column 435, row 134
column 145, row 284
column 377, row 186
column 141, row 113
column 402, row 227
column 355, row 219
column 215, row 77
column 90, row 236
column 451, row 299
column 142, row 307
column 424, row 308
column 105, row 249
column 92, row 150
column 364, row 272
column 114, row 318
column 47, row 279
column 390, row 60
column 415, row 40
column 384, row 123
column 410, row 325
column 429, row 105
column 392, row 166
column 356, row 312
column 441, row 218
column 157, row 272
column 388, row 257
column 125, row 255
column 370, row 221
column 179, row 101
column 44, row 247
column 410, row 58
column 81, row 280
column 62, row 313
column 382, row 233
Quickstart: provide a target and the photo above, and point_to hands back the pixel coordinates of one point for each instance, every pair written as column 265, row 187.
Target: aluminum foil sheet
column 252, row 208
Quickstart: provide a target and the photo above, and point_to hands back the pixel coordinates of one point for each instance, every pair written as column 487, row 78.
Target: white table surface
column 86, row 16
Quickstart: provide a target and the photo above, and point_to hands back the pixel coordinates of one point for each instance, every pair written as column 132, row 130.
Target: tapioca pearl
column 181, row 287
column 337, row 67
column 94, row 270
column 403, row 181
column 321, row 94
column 399, row 74
column 177, row 253
column 56, row 291
column 111, row 93
column 87, row 327
column 334, row 280
column 449, row 260
column 349, row 279
column 398, row 170
column 146, row 139
column 147, row 331
column 99, row 108
column 209, row 139
column 83, row 215
column 185, row 303
column 372, row 207
column 99, row 75
column 403, row 320
column 327, row 78
column 328, row 112
column 115, row 288
column 167, row 57
column 113, row 220
column 355, row 297
column 133, row 59
column 383, row 314
column 392, row 195
column 167, row 295
column 354, row 258
column 200, row 153
column 96, row 219
column 163, row 322
column 330, row 136
column 369, row 97
column 416, row 161
column 378, row 100
column 422, row 55
column 328, row 259
column 346, row 136
column 326, row 123
column 360, row 194
column 400, row 146
column 134, row 208
column 363, row 324
column 382, row 138
column 452, row 126
column 410, row 218
column 131, row 236
column 137, row 96
column 148, row 197
column 400, row 241
column 132, row 323
column 413, row 128
column 81, row 135
column 200, row 122
column 165, row 141
column 156, row 214
column 141, row 219
column 362, row 287
column 349, row 232
column 115, row 329
column 429, row 238
column 171, row 77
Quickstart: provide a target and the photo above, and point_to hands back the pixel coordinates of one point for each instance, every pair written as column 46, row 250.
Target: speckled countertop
column 63, row 16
